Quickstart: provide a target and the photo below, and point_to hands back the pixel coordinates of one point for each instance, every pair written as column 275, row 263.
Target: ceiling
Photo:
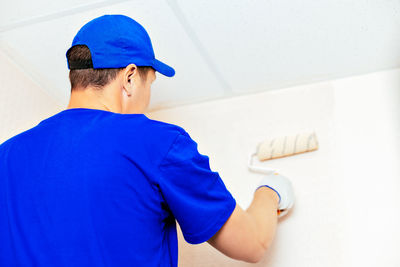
column 218, row 48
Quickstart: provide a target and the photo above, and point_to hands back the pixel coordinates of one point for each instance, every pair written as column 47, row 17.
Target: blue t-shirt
column 89, row 187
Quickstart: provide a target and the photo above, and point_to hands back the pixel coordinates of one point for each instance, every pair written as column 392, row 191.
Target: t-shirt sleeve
column 196, row 195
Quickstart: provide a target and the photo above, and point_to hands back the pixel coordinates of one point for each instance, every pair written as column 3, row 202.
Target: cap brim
column 163, row 68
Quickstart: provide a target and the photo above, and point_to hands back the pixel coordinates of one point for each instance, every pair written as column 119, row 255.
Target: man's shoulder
column 165, row 126
column 156, row 136
column 16, row 140
column 152, row 127
column 151, row 132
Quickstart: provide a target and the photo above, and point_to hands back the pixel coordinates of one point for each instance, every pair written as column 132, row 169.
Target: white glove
column 283, row 187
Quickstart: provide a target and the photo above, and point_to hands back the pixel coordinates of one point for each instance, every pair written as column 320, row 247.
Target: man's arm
column 247, row 234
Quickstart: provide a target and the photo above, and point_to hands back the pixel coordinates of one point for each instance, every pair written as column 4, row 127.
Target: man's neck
column 88, row 98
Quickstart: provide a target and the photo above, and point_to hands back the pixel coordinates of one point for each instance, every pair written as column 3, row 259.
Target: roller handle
column 254, row 168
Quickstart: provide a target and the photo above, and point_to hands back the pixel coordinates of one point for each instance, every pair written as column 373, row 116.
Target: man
column 101, row 184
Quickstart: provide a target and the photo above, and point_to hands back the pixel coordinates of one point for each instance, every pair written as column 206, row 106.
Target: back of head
column 95, row 78
column 106, row 45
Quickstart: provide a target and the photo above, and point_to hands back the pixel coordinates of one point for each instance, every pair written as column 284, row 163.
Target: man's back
column 90, row 187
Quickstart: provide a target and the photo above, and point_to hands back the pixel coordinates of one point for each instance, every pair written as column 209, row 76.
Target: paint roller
column 282, row 146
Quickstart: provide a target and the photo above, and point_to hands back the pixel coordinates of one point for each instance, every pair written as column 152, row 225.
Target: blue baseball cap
column 115, row 41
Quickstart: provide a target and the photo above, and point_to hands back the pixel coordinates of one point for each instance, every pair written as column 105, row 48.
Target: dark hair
column 97, row 78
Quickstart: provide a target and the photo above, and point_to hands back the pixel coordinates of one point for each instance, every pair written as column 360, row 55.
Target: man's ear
column 127, row 77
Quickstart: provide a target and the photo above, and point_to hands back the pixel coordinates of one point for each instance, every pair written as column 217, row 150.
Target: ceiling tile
column 261, row 45
column 22, row 10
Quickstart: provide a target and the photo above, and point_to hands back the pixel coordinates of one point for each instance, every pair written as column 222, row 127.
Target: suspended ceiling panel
column 259, row 45
column 40, row 49
column 17, row 11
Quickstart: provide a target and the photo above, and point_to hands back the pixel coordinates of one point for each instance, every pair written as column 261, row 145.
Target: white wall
column 23, row 103
column 347, row 208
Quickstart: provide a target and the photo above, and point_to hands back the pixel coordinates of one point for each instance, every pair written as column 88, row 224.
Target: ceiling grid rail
column 200, row 47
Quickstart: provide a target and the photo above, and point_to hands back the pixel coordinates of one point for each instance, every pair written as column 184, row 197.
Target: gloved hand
column 283, row 187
